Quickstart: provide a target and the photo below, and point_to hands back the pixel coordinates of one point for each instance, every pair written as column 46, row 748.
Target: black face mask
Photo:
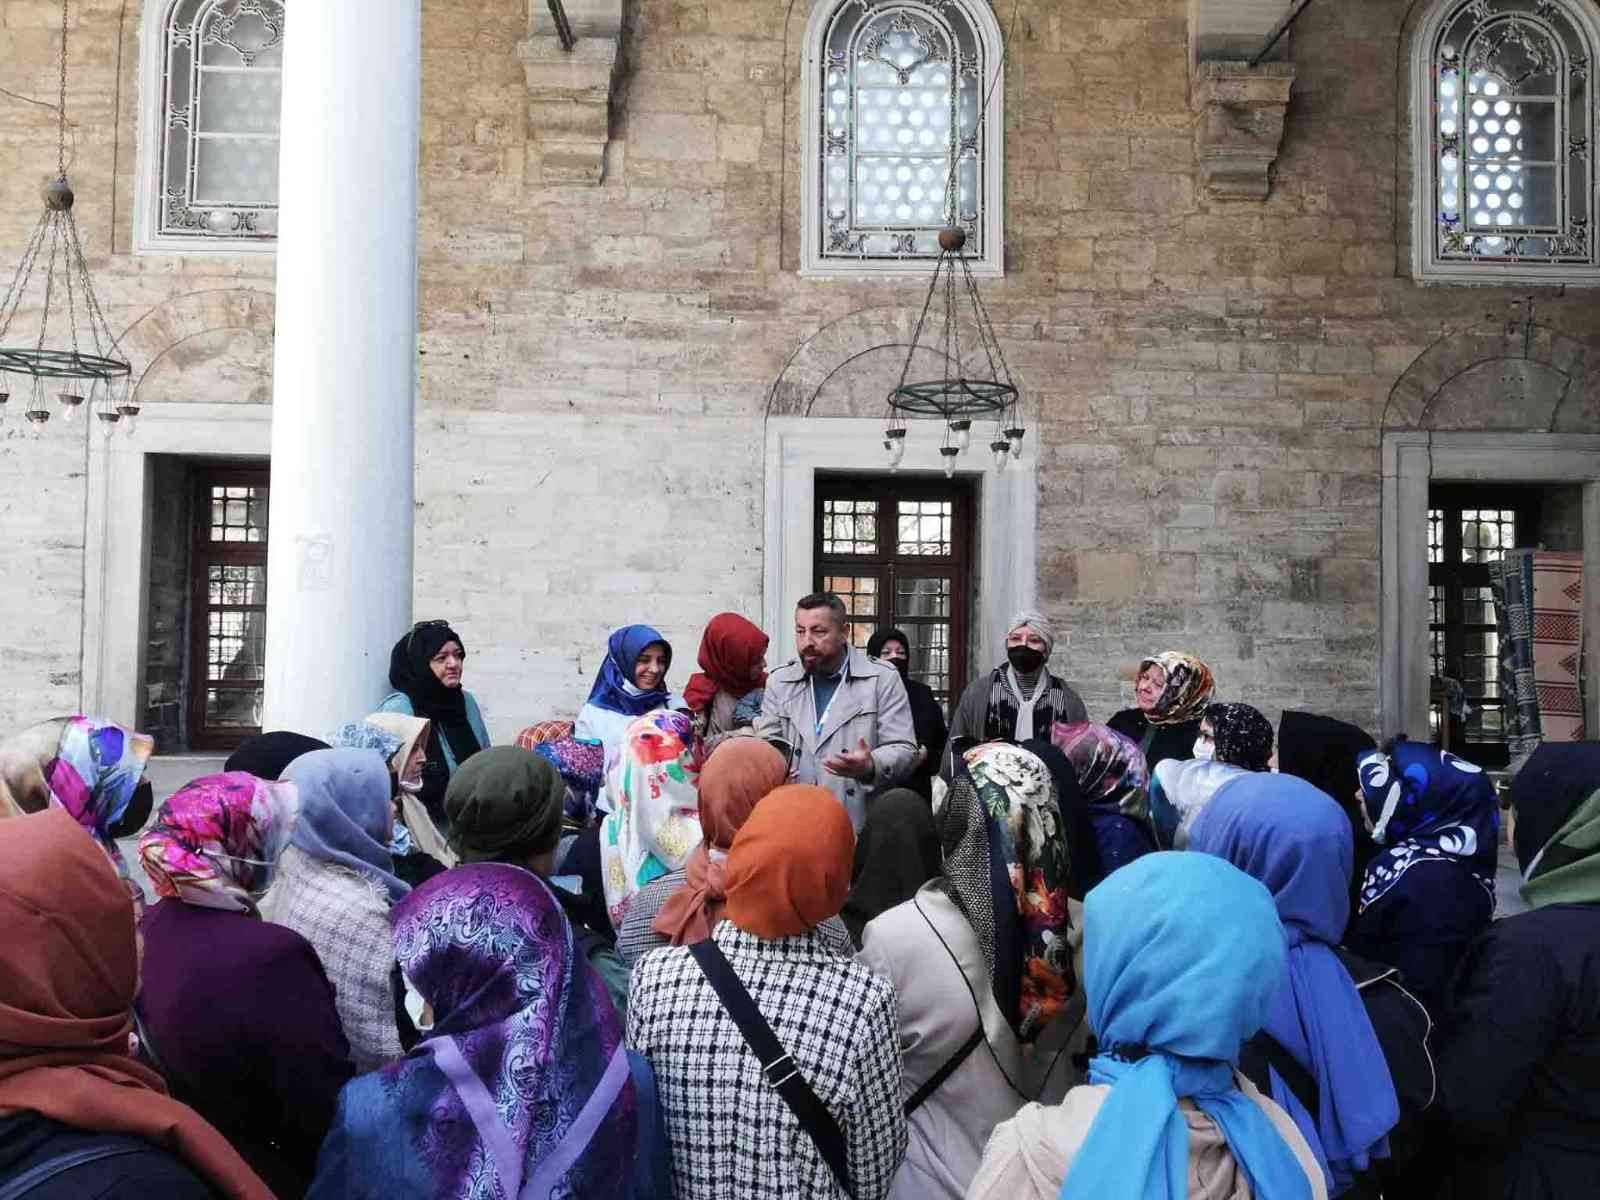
column 903, row 665
column 137, row 813
column 1024, row 659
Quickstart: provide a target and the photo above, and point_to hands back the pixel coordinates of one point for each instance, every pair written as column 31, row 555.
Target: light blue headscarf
column 1291, row 836
column 346, row 815
column 1182, row 957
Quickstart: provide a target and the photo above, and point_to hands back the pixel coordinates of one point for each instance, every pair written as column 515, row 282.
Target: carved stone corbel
column 1241, row 125
column 569, row 91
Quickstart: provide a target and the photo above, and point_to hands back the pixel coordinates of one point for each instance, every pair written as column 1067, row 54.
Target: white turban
column 1039, row 623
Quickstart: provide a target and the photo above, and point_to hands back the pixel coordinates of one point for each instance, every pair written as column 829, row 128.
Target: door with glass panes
column 898, row 551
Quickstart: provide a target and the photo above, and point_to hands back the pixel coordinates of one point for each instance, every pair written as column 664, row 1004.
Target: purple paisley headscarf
column 526, row 1050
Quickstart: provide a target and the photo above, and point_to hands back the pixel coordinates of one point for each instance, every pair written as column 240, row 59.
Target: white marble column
column 340, row 568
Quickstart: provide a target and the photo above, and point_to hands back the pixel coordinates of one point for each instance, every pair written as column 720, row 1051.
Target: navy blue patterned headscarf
column 1426, row 805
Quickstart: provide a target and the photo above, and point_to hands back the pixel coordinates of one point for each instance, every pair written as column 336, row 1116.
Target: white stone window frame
column 1412, row 460
column 1426, row 265
column 1004, row 566
column 991, row 213
column 149, row 185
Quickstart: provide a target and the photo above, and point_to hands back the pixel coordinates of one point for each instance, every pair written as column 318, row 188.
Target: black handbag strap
column 936, row 1080
column 1263, row 1051
column 779, row 1069
column 38, row 1175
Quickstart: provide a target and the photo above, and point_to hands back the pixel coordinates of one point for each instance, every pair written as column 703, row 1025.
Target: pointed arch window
column 209, row 155
column 1506, row 182
column 898, row 140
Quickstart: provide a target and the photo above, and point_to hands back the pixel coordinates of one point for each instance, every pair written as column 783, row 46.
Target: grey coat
column 870, row 704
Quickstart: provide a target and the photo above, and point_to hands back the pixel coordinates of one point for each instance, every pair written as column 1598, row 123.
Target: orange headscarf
column 740, row 772
column 789, row 867
column 69, row 971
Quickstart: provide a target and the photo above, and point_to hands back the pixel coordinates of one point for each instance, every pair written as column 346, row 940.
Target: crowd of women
column 1178, row 954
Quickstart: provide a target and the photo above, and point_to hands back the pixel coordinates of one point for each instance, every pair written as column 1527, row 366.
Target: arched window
column 897, row 139
column 1505, row 112
column 210, row 94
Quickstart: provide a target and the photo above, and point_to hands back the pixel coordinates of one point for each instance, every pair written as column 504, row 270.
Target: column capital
column 570, row 91
column 1241, row 113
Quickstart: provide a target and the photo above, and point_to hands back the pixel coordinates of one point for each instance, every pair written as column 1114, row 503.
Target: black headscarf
column 896, row 853
column 1242, row 736
column 269, row 755
column 882, row 638
column 1083, row 869
column 411, row 672
column 1557, row 777
column 1323, row 751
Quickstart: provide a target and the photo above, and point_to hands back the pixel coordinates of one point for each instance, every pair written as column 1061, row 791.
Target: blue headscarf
column 1182, row 956
column 613, row 684
column 1296, row 840
column 346, row 815
column 1426, row 805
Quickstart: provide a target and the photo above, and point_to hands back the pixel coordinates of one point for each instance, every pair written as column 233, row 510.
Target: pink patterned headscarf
column 216, row 841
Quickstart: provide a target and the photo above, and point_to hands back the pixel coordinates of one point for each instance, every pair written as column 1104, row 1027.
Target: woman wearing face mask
column 1019, row 700
column 262, row 1063
column 927, row 715
column 425, row 672
column 1172, row 690
column 631, row 682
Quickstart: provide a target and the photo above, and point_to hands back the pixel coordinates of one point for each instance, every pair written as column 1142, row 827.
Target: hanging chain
column 61, row 101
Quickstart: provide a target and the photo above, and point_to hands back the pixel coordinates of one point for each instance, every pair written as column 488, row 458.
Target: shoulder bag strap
column 936, row 1080
column 780, row 1070
column 41, row 1173
column 1264, row 1051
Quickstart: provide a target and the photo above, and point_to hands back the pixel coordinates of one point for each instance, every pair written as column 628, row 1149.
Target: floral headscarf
column 583, row 769
column 1426, row 805
column 526, row 1051
column 89, row 767
column 1242, row 736
column 216, row 841
column 1111, row 769
column 1187, row 691
column 1002, row 812
column 654, row 823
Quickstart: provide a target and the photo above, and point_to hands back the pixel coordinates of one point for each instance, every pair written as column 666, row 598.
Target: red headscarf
column 739, row 773
column 69, row 970
column 730, row 661
column 789, row 867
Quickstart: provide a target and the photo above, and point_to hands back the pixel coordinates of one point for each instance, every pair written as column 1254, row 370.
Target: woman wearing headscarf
column 1323, row 751
column 1019, row 699
column 1171, row 690
column 1084, row 868
column 733, row 664
column 1291, row 837
column 76, row 1106
column 1518, row 1054
column 1112, row 776
column 263, row 1063
column 1179, row 790
column 425, row 672
column 1183, row 955
column 654, row 798
column 897, row 851
column 982, row 962
column 927, row 714
column 92, row 769
column 506, row 806
column 522, row 1086
column 413, row 827
column 1429, row 891
column 268, row 755
column 1236, row 734
column 335, row 886
column 631, row 681
column 733, row 1136
column 683, row 906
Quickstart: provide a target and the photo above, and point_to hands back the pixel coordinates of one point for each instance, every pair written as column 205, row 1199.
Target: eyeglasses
column 438, row 623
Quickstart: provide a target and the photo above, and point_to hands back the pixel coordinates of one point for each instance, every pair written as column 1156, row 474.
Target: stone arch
column 196, row 324
column 1523, row 376
column 846, row 368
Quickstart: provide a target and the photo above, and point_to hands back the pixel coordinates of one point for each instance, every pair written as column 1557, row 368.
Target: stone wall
column 1207, row 379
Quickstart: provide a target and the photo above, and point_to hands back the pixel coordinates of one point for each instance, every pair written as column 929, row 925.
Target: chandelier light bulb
column 949, row 453
column 1015, row 436
column 108, row 420
column 70, row 403
column 1002, row 453
column 962, row 428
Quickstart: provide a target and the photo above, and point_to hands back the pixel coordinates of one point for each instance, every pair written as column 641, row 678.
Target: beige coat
column 870, row 705
column 927, row 949
column 1030, row 1155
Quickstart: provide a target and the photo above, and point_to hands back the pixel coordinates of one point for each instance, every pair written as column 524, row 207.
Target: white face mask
column 411, row 787
column 416, row 1007
column 1204, row 749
